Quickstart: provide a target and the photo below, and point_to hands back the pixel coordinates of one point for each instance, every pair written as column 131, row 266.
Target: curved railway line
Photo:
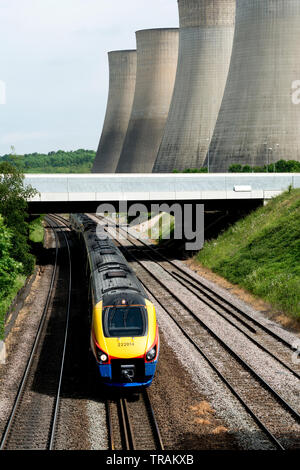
column 266, row 406
column 278, row 419
column 130, row 417
column 33, row 420
column 251, row 323
column 261, row 335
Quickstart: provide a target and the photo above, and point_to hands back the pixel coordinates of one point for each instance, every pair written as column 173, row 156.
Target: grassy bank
column 261, row 253
column 36, row 230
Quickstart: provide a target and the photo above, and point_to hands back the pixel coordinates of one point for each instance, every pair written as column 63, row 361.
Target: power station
column 122, row 78
column 223, row 89
column 157, row 55
column 259, row 119
column 205, row 45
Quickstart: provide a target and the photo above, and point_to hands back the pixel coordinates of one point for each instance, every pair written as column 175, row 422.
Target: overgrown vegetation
column 36, row 230
column 77, row 161
column 282, row 166
column 9, row 268
column 262, row 253
column 192, row 170
column 16, row 261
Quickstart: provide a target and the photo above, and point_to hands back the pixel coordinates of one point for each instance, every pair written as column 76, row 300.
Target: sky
column 54, row 67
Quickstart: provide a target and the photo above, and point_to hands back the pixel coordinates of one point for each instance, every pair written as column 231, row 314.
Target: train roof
column 113, row 279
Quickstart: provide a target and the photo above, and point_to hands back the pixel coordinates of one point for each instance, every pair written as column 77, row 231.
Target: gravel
column 20, row 340
column 207, row 383
column 193, row 407
column 198, row 378
column 274, row 373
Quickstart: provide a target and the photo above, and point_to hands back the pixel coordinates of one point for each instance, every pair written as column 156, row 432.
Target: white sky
column 54, row 66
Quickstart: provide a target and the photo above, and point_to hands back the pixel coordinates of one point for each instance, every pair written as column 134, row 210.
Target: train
column 124, row 333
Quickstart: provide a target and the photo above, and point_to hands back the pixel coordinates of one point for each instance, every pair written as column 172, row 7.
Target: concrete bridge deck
column 74, row 192
column 159, row 187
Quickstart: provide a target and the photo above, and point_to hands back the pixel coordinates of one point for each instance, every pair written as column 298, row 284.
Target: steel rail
column 244, row 363
column 126, row 425
column 211, row 299
column 182, row 281
column 126, row 422
column 269, row 434
column 278, row 397
column 222, row 342
column 254, row 374
column 57, row 399
column 33, row 350
column 109, row 426
column 203, row 286
column 158, row 438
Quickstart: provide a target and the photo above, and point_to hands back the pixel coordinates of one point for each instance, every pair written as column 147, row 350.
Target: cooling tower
column 122, row 77
column 157, row 54
column 259, row 119
column 205, row 44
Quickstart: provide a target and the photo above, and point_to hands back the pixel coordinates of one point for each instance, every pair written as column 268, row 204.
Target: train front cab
column 125, row 343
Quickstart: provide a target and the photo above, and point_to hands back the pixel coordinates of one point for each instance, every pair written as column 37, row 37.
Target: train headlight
column 151, row 354
column 103, row 357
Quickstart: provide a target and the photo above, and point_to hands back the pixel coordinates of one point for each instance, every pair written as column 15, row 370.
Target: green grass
column 5, row 303
column 261, row 253
column 36, row 230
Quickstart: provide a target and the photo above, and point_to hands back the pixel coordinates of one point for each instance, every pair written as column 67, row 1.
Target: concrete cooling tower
column 205, row 45
column 122, row 77
column 259, row 120
column 157, row 54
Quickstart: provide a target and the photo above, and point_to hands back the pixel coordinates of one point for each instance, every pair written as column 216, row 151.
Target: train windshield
column 125, row 321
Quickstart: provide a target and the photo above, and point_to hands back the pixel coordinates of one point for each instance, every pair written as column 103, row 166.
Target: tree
column 9, row 268
column 282, row 166
column 235, row 168
column 13, row 207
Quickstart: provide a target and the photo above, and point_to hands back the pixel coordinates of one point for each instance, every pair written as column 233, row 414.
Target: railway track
column 33, row 420
column 251, row 323
column 271, row 412
column 130, row 418
column 265, row 339
column 132, row 424
column 259, row 334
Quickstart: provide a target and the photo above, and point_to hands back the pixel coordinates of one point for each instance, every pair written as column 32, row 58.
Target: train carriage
column 124, row 330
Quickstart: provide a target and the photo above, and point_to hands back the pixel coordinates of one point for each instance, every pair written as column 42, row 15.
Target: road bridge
column 64, row 193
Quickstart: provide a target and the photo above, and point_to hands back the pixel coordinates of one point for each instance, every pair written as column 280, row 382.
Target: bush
column 282, row 166
column 192, row 170
column 9, row 268
column 13, row 206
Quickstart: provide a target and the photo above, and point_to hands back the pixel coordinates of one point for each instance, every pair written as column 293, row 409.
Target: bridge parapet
column 159, row 187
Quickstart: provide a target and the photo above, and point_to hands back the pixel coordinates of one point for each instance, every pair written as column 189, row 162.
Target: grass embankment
column 261, row 253
column 36, row 230
column 36, row 235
